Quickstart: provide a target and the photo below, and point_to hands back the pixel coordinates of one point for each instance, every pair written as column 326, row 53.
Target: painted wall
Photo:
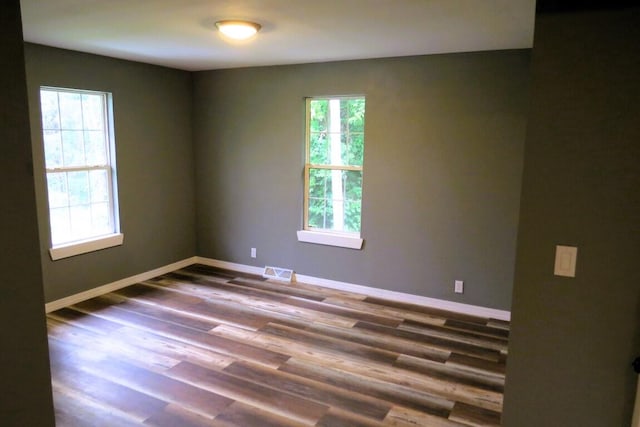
column 25, row 385
column 573, row 340
column 443, row 163
column 152, row 109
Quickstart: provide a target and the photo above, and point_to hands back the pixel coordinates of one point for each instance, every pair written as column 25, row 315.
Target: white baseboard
column 457, row 307
column 110, row 287
column 333, row 284
column 242, row 268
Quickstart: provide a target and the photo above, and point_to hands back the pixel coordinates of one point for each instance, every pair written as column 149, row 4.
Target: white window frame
column 308, row 234
column 95, row 242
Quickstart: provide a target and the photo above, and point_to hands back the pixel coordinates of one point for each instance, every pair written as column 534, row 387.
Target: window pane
column 336, row 134
column 93, row 111
column 80, row 221
column 72, row 148
column 320, row 213
column 318, row 119
column 352, row 149
column 352, row 185
column 356, row 114
column 57, row 189
column 319, row 148
column 52, row 149
column 49, row 108
column 101, row 218
column 335, row 199
column 70, row 110
column 99, row 186
column 60, row 225
column 78, row 183
column 95, row 148
column 319, row 183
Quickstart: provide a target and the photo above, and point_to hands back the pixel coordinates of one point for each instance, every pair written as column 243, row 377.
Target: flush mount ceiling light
column 238, row 30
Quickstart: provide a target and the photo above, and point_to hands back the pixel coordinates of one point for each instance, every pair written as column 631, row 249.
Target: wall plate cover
column 566, row 257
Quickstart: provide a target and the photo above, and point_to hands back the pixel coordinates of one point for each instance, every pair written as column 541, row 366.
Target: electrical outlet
column 458, row 287
column 253, row 252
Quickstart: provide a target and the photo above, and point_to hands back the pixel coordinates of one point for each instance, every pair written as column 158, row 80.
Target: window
column 333, row 171
column 80, row 171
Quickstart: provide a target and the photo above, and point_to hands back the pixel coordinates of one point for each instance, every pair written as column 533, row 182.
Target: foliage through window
column 78, row 148
column 334, row 161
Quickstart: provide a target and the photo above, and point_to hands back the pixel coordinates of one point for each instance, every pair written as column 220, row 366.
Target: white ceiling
column 181, row 33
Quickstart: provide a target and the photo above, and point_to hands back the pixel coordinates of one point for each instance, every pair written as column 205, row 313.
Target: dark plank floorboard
column 208, row 347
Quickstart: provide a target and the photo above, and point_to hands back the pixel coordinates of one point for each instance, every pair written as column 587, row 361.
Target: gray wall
column 443, row 163
column 573, row 340
column 25, row 387
column 152, row 109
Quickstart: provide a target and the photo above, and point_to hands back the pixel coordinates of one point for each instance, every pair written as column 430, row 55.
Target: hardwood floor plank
column 499, row 344
column 392, row 393
column 337, row 418
column 381, row 371
column 185, row 334
column 344, row 312
column 481, row 329
column 105, row 393
column 372, row 370
column 242, row 415
column 174, row 349
column 406, row 417
column 147, row 293
column 169, row 312
column 178, row 416
column 439, row 342
column 477, row 365
column 242, row 305
column 444, row 314
column 216, row 271
column 381, row 341
column 75, row 409
column 501, row 324
column 388, row 311
column 85, row 321
column 239, row 289
column 287, row 289
column 331, row 344
column 202, row 401
column 449, row 373
column 80, row 342
column 202, row 313
column 472, row 415
column 250, row 393
column 266, row 306
column 313, row 390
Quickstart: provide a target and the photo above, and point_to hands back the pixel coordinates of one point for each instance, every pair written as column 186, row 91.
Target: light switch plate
column 458, row 286
column 566, row 257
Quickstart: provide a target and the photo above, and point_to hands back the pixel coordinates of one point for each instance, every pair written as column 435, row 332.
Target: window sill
column 330, row 239
column 85, row 246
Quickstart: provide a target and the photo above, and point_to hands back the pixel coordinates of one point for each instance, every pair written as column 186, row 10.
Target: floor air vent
column 282, row 274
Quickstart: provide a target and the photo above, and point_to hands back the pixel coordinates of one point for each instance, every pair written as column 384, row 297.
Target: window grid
column 73, row 217
column 337, row 165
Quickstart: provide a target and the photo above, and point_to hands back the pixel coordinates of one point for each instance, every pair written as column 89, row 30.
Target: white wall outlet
column 458, row 287
column 254, row 252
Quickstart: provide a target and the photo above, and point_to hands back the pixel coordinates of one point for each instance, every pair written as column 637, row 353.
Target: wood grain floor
column 208, row 347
